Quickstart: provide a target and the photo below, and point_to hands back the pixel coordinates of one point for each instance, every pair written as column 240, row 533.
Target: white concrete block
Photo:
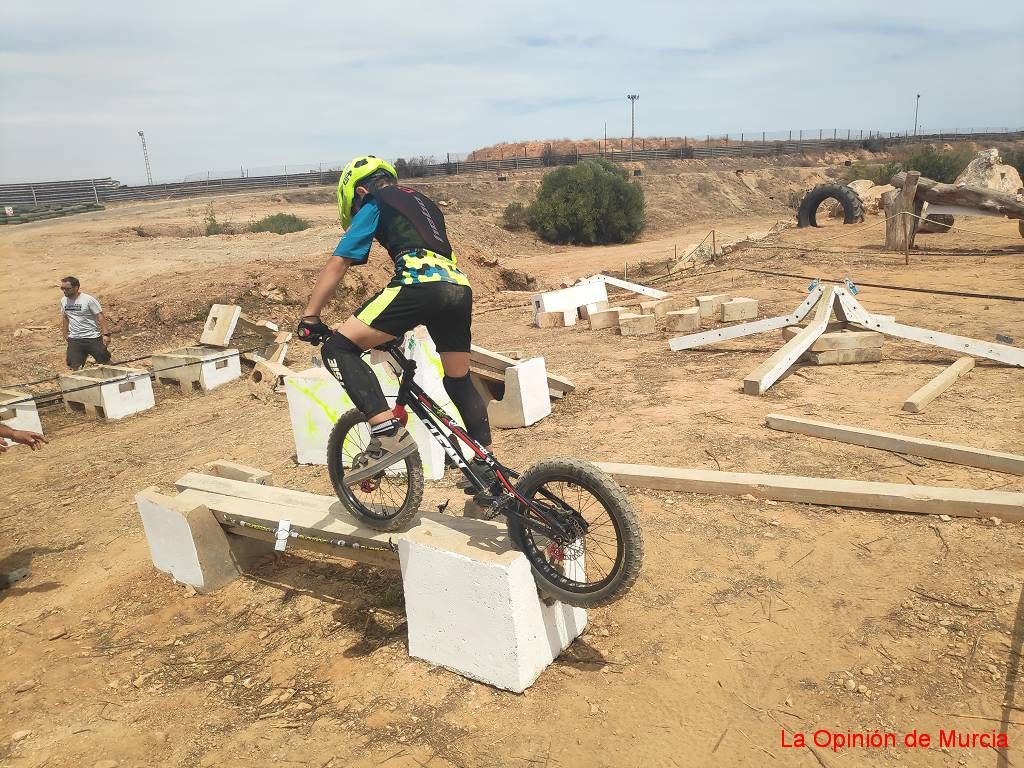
column 472, row 605
column 709, row 305
column 740, row 308
column 526, row 399
column 18, row 411
column 316, row 400
column 197, row 368
column 588, row 309
column 569, row 299
column 108, row 391
column 185, row 541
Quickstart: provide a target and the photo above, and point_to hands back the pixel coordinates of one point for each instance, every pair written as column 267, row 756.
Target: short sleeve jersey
column 81, row 314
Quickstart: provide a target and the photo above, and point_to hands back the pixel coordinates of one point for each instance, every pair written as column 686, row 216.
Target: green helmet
column 356, row 171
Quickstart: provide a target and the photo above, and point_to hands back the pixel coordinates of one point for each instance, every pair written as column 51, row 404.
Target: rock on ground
column 987, row 170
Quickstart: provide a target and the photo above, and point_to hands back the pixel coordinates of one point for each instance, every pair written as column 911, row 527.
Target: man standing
column 84, row 325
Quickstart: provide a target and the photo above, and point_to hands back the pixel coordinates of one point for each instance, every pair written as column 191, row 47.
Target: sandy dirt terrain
column 749, row 618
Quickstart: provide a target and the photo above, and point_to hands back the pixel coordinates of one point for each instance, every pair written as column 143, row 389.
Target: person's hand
column 313, row 330
column 33, row 440
column 105, row 338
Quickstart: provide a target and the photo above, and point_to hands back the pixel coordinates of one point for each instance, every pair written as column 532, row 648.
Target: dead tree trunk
column 965, row 196
column 900, row 226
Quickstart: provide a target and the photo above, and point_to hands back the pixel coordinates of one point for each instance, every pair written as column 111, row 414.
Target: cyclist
column 427, row 289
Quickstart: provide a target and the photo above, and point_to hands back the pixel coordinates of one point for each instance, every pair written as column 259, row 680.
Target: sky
column 218, row 86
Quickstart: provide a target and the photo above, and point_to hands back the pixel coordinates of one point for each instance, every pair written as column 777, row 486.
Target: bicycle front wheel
column 603, row 561
column 385, row 502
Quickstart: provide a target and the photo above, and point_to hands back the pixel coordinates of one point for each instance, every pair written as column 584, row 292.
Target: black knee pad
column 344, row 359
column 472, row 407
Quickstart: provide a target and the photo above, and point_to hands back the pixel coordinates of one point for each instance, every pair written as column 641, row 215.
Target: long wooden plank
column 484, row 358
column 759, row 380
column 858, row 494
column 920, row 399
column 888, row 441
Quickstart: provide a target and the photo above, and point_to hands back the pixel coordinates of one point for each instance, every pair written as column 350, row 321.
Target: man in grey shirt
column 85, row 327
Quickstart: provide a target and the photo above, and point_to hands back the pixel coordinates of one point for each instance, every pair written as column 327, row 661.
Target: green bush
column 280, row 224
column 879, row 173
column 213, row 227
column 1013, row 156
column 515, row 216
column 592, row 203
column 933, row 164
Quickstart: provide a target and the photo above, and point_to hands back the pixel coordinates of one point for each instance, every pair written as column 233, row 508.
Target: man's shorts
column 80, row 349
column 446, row 309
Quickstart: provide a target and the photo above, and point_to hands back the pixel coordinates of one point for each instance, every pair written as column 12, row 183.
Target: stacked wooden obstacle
column 470, row 599
column 840, row 345
column 837, row 301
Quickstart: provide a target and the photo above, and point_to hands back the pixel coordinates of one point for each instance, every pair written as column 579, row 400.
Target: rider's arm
column 354, row 248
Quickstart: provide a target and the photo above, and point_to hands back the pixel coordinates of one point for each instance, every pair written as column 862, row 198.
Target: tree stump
column 900, row 226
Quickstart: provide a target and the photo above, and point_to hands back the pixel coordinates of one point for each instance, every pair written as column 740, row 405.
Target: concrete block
column 609, row 318
column 740, row 308
column 588, row 309
column 316, row 400
column 220, row 324
column 637, row 325
column 569, row 299
column 268, row 377
column 555, row 319
column 526, row 399
column 685, row 320
column 472, row 605
column 197, row 368
column 844, row 356
column 186, row 541
column 658, row 307
column 839, row 339
column 107, row 391
column 18, row 411
column 709, row 305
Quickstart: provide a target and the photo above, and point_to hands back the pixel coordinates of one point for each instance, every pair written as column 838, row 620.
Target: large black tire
column 560, row 476
column 392, row 501
column 853, row 208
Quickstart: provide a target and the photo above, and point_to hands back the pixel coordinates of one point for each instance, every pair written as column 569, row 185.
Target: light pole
column 145, row 155
column 632, row 120
column 917, row 104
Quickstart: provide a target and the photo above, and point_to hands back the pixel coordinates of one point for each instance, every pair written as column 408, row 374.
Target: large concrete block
column 107, row 391
column 560, row 319
column 637, row 325
column 658, row 307
column 844, row 356
column 839, row 339
column 220, row 324
column 472, row 605
column 684, row 320
column 186, row 541
column 588, row 309
column 709, row 305
column 569, row 299
column 740, row 308
column 526, row 399
column 316, row 400
column 608, row 318
column 198, row 368
column 18, row 411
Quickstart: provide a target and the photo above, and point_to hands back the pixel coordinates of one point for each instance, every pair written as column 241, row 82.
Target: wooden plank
column 759, row 380
column 952, row 453
column 483, row 358
column 920, row 399
column 838, row 339
column 625, row 285
column 856, row 494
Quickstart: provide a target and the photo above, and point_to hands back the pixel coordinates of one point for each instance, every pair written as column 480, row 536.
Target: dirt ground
column 748, row 619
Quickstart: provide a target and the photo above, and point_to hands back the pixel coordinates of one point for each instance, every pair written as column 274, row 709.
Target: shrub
column 879, row 173
column 590, row 203
column 933, row 164
column 515, row 216
column 213, row 227
column 280, row 224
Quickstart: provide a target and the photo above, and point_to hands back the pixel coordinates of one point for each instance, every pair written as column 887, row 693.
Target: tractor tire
column 853, row 208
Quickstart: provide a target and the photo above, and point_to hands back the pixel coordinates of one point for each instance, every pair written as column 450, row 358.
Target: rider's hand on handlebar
column 313, row 330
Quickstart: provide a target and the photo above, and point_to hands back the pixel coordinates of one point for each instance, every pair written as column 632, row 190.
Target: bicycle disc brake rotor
column 370, row 484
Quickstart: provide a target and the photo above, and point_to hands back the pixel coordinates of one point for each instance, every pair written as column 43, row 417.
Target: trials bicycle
column 571, row 520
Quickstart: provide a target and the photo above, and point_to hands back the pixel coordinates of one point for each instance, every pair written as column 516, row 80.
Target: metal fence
column 33, row 195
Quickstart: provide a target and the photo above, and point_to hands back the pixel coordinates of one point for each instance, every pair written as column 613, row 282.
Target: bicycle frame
column 413, row 397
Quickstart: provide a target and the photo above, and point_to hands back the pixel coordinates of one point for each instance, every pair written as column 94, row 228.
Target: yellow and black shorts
column 445, row 308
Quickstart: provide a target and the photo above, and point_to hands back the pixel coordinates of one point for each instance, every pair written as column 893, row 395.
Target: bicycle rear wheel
column 385, row 502
column 603, row 561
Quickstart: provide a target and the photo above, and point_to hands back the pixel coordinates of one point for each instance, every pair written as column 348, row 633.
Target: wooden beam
column 887, row 441
column 966, row 195
column 759, row 380
column 856, row 494
column 919, row 399
column 481, row 358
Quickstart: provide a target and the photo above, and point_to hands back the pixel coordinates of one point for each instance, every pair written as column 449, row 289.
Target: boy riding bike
column 427, row 289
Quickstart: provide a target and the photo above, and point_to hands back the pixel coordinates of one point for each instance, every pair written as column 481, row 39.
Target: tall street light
column 145, row 155
column 917, row 104
column 632, row 121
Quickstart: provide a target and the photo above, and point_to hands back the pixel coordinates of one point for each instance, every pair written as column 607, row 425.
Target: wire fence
column 30, row 196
